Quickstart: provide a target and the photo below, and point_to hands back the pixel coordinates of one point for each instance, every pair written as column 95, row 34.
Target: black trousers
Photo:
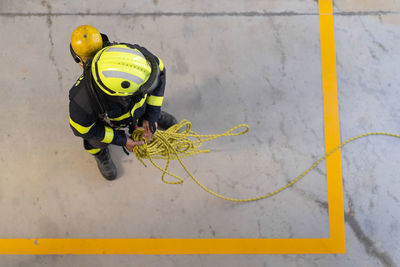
column 93, row 147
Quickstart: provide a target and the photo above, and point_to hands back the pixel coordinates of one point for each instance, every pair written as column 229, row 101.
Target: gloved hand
column 149, row 129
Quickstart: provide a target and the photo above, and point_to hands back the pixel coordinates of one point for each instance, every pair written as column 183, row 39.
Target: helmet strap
column 74, row 55
column 96, row 98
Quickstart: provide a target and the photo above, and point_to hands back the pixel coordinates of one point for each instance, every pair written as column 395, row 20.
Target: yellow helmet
column 119, row 70
column 86, row 41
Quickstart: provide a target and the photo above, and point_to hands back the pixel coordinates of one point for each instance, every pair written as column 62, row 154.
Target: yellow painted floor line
column 334, row 244
column 331, row 124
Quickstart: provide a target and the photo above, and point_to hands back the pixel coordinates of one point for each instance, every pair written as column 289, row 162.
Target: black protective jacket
column 88, row 124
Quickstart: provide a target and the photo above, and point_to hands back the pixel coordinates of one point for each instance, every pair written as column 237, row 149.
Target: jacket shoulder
column 78, row 95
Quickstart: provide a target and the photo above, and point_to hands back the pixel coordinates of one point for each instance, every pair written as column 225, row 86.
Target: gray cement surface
column 228, row 62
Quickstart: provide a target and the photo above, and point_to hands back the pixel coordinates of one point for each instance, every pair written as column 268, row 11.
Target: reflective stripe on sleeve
column 155, row 100
column 94, row 151
column 122, row 117
column 138, row 105
column 161, row 64
column 108, row 135
column 81, row 129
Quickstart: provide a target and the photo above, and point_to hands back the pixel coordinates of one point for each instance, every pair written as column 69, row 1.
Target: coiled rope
column 175, row 143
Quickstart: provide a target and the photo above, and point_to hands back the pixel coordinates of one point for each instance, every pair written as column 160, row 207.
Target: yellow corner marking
column 325, row 7
column 332, row 126
column 334, row 244
column 165, row 246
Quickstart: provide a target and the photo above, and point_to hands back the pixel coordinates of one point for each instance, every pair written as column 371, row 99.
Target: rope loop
column 179, row 141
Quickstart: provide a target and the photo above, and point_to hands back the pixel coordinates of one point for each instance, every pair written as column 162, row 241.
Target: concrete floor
column 254, row 62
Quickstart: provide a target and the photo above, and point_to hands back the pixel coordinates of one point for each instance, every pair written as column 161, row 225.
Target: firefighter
column 121, row 88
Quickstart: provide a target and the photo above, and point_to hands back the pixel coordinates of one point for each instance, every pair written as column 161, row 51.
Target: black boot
column 106, row 165
column 166, row 120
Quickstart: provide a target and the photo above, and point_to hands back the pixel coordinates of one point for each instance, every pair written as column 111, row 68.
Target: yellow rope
column 175, row 144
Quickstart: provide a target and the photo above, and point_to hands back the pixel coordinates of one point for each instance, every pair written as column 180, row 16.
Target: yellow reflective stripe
column 94, row 151
column 161, row 64
column 155, row 100
column 108, row 135
column 122, row 117
column 78, row 81
column 138, row 104
column 81, row 129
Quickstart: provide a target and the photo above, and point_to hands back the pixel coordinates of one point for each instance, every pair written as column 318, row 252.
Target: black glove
column 152, row 126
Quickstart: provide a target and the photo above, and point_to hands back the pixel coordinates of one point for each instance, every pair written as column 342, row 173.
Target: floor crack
column 49, row 22
column 201, row 14
column 367, row 242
